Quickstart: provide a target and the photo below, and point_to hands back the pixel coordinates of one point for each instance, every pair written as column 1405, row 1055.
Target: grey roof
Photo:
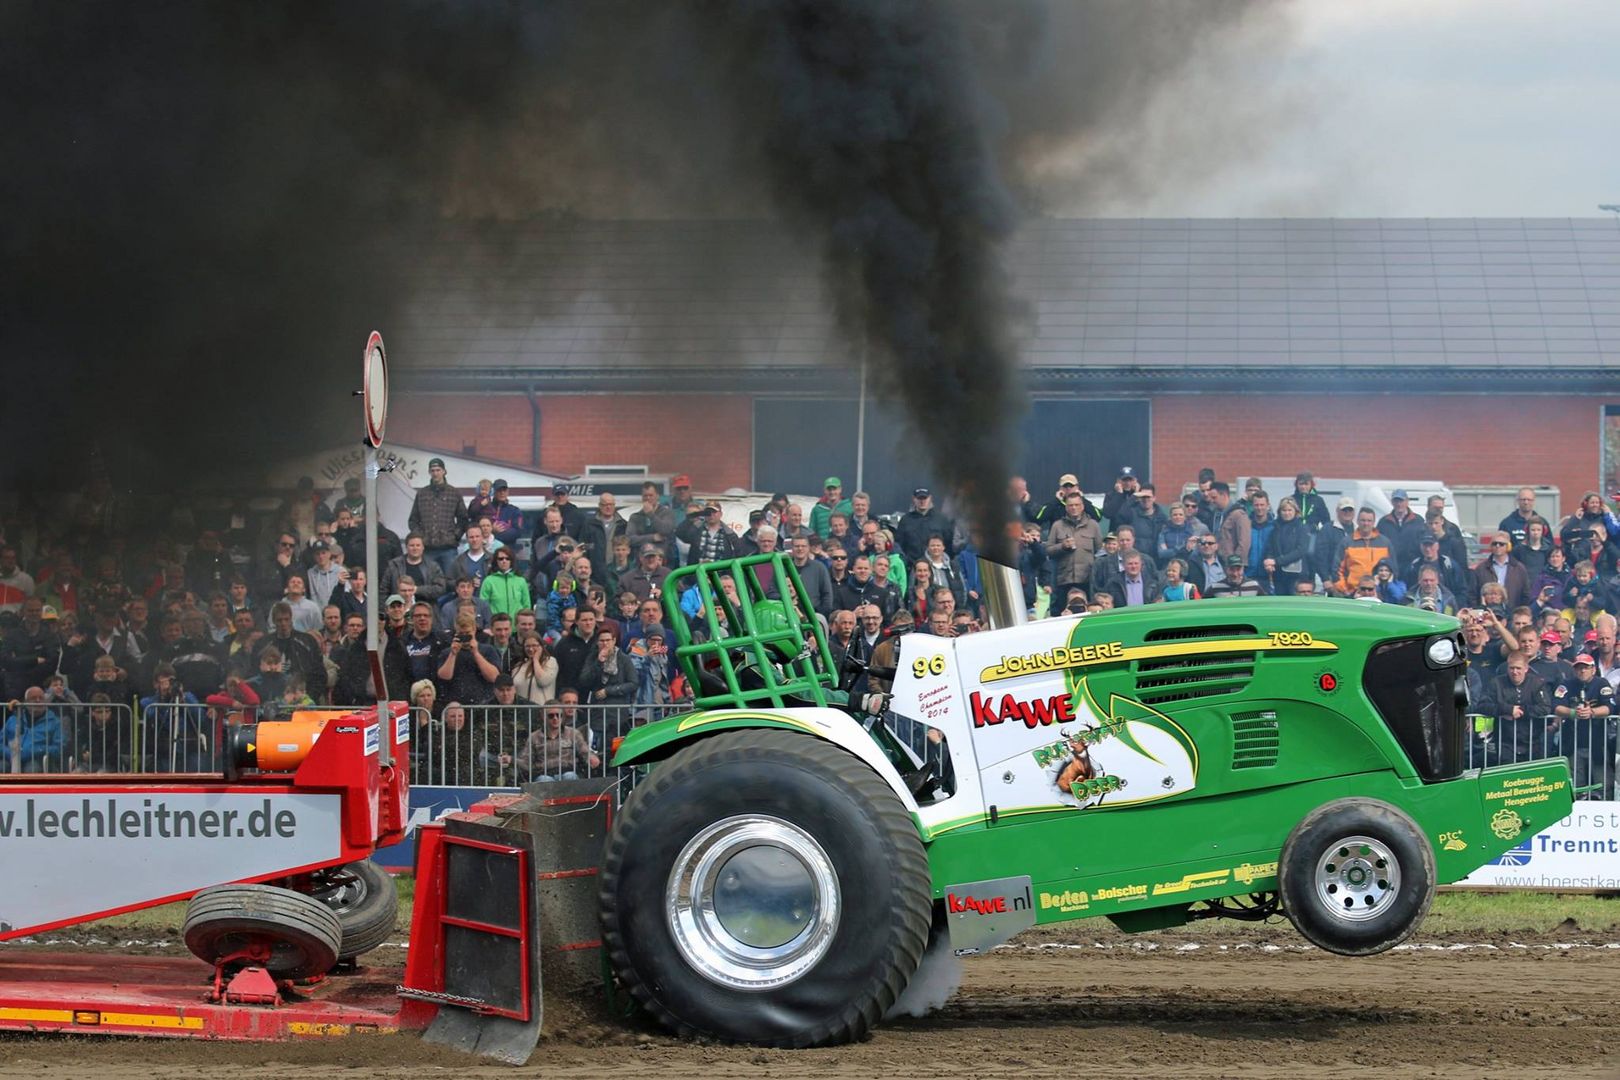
column 1483, row 295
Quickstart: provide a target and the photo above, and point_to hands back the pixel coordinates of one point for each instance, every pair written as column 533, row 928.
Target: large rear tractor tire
column 765, row 887
column 300, row 935
column 362, row 896
column 1357, row 877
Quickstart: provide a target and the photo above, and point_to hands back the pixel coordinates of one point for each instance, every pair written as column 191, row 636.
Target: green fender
column 658, row 740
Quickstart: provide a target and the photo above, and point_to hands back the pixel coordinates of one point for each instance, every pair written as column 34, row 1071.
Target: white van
column 1371, row 493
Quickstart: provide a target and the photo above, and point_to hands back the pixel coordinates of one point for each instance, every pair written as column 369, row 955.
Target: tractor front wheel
column 1356, row 877
column 765, row 887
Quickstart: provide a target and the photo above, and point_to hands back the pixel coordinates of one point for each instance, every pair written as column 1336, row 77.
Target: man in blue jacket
column 32, row 735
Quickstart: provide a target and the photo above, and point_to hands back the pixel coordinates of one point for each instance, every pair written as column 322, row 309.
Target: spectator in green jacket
column 504, row 590
column 832, row 502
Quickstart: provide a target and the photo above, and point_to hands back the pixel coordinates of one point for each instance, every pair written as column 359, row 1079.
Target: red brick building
column 1470, row 351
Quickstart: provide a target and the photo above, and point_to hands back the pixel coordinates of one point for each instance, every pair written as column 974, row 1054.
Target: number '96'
column 927, row 665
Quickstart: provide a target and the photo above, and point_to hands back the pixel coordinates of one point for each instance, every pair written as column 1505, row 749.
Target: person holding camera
column 465, row 669
column 706, row 536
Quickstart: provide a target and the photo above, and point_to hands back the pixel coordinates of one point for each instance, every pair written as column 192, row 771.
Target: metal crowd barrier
column 506, row 745
column 1589, row 746
column 179, row 737
column 90, row 738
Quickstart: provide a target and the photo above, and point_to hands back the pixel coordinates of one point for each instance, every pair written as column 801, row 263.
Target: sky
column 1393, row 108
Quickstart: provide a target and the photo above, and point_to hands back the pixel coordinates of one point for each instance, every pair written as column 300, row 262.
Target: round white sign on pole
column 374, row 388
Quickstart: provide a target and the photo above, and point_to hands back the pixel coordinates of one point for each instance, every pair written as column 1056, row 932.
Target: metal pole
column 860, row 429
column 374, row 612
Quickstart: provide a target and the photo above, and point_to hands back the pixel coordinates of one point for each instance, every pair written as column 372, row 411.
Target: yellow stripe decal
column 119, row 1019
column 700, row 719
column 48, row 1016
column 999, row 672
column 152, row 1020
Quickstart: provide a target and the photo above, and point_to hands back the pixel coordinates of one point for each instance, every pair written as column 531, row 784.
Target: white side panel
column 831, row 724
column 928, row 688
column 85, row 853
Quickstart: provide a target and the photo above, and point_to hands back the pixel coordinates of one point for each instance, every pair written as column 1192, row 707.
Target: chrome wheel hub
column 1357, row 878
column 753, row 902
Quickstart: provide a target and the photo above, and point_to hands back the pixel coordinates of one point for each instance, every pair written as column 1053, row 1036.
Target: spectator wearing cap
column 1119, row 503
column 920, row 523
column 1583, row 703
column 1073, row 543
column 440, row 516
column 1235, row 582
column 1232, row 534
column 652, row 524
column 1452, row 545
column 562, row 500
column 1362, row 553
column 1499, row 567
column 706, row 536
column 1452, row 577
column 1401, row 527
column 1332, row 541
column 1549, row 662
column 1313, row 511
column 325, row 575
column 681, row 500
column 647, row 579
column 649, row 655
column 832, row 501
column 1147, row 517
column 505, row 519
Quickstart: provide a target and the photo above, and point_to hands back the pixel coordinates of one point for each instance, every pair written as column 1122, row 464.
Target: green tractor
column 798, row 840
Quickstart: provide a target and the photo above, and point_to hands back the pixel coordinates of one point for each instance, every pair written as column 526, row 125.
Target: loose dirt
column 1250, row 1004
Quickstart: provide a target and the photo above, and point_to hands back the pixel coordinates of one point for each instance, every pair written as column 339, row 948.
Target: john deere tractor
column 801, row 835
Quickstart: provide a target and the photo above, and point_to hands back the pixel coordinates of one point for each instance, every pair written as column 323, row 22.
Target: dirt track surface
column 1249, row 1006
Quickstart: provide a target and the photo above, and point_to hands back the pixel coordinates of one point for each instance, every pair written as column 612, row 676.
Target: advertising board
column 1580, row 853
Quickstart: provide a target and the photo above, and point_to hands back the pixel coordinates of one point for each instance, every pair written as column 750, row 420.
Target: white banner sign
column 83, row 853
column 1580, row 852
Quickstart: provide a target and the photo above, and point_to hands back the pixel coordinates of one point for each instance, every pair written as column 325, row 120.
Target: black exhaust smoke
column 196, row 193
column 875, row 145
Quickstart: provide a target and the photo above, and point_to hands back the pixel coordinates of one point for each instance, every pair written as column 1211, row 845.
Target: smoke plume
column 196, row 192
column 875, row 144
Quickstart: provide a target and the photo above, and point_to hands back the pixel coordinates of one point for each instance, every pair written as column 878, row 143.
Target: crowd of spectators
column 561, row 610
